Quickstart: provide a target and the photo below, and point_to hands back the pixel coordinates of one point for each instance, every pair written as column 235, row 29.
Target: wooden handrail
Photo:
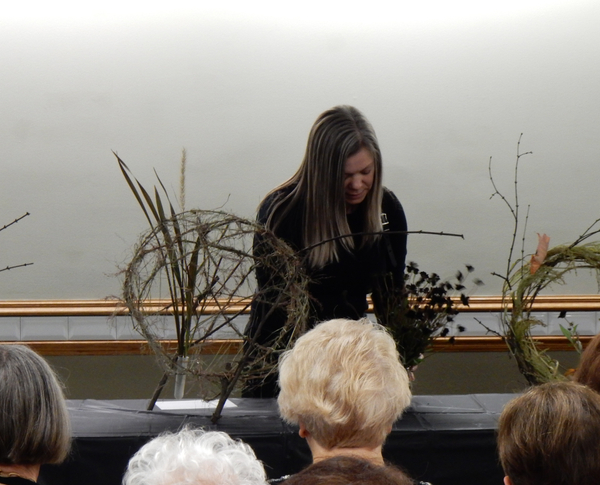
column 16, row 308
column 12, row 308
column 32, row 308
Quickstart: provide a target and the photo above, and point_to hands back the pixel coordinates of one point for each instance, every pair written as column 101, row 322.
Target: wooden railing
column 493, row 304
column 543, row 303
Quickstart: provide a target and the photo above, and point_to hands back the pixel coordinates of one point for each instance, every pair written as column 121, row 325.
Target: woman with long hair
column 333, row 211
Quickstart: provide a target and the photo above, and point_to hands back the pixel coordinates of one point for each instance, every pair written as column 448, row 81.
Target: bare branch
column 8, row 268
column 586, row 234
column 15, row 221
column 488, row 329
column 379, row 233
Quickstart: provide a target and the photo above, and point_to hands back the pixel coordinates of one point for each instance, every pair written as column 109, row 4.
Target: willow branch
column 379, row 233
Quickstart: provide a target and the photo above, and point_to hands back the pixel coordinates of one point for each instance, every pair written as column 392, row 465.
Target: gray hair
column 194, row 457
column 34, row 422
column 336, row 135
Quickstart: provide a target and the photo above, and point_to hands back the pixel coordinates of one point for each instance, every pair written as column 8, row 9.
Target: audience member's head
column 34, row 421
column 195, row 457
column 344, row 385
column 551, row 435
column 346, row 470
column 588, row 372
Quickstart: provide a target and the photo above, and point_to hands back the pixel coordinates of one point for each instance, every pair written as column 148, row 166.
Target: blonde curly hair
column 344, row 381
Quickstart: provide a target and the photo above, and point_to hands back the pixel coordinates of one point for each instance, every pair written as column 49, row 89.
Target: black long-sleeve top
column 339, row 289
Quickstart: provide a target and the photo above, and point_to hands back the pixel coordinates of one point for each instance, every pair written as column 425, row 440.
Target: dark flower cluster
column 419, row 310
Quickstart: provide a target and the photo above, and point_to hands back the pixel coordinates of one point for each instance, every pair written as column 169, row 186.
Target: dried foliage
column 419, row 311
column 202, row 262
column 518, row 321
column 526, row 277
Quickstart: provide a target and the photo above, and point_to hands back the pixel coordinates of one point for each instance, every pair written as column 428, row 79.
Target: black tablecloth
column 441, row 439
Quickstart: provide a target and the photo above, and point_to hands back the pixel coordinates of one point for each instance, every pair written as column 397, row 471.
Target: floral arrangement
column 526, row 277
column 198, row 265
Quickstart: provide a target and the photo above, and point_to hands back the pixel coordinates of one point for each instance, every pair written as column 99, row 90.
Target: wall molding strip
column 231, row 347
column 12, row 308
column 119, row 347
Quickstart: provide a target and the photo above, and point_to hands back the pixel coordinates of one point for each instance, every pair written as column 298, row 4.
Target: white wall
column 445, row 87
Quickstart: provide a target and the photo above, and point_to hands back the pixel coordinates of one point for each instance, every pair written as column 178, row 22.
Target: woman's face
column 359, row 172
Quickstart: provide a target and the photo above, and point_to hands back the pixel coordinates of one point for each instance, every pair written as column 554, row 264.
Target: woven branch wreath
column 527, row 280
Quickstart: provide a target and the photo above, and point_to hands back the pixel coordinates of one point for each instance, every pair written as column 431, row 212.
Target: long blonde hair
column 318, row 189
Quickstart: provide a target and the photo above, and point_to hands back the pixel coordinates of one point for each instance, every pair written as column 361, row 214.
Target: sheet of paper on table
column 191, row 404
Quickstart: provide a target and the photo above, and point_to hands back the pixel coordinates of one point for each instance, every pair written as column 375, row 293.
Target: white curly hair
column 195, row 457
